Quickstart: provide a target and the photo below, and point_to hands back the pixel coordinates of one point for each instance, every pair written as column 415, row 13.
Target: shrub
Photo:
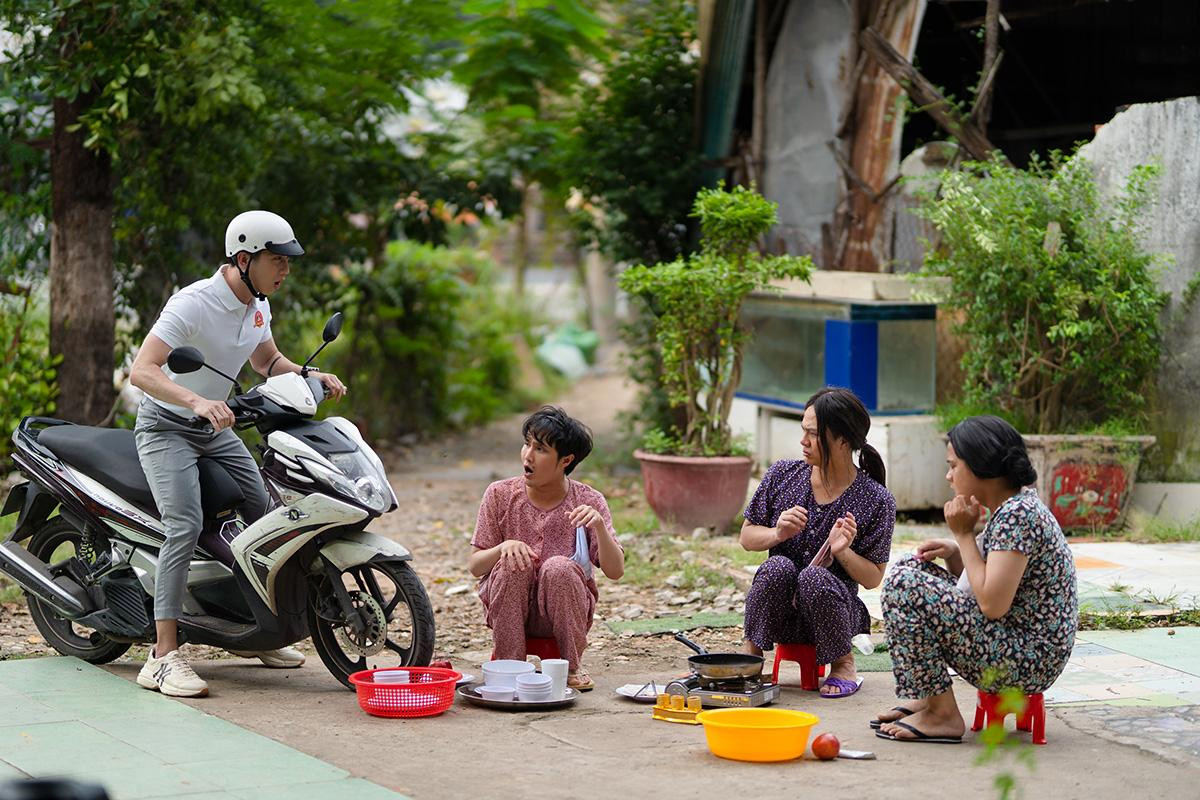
column 428, row 341
column 697, row 302
column 1061, row 312
column 29, row 373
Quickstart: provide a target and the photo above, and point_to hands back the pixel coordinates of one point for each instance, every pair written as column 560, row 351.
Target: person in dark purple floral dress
column 804, row 591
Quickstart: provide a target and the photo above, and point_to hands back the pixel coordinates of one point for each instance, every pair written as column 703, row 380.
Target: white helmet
column 253, row 231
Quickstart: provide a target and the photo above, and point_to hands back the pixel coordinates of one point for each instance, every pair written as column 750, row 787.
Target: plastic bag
column 581, row 555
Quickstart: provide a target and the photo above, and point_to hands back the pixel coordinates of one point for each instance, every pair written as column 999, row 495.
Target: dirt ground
column 604, row 744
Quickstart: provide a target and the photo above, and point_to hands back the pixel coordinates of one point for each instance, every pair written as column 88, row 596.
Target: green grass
column 10, row 592
column 1145, row 528
column 1130, row 620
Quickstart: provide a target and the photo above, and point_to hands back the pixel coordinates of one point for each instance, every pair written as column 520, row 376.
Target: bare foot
column 913, row 706
column 929, row 721
column 751, row 648
column 841, row 668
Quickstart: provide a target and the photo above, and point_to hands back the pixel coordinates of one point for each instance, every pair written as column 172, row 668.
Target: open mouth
column 528, row 470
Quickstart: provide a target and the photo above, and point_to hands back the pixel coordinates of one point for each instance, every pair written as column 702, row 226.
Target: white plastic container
column 534, row 687
column 495, row 692
column 556, row 668
column 390, row 676
column 505, row 672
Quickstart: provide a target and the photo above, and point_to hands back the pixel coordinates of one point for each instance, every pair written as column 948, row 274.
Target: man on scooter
column 227, row 317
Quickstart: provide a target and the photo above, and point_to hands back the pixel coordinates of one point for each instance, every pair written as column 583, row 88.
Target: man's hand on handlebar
column 215, row 411
column 333, row 387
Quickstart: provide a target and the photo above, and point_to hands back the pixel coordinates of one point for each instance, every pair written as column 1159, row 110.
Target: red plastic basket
column 430, row 691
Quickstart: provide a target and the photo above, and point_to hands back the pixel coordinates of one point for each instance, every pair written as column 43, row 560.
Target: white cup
column 556, row 668
column 392, row 676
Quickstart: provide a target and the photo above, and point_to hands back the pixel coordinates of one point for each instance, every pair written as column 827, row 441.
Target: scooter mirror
column 185, row 359
column 332, row 328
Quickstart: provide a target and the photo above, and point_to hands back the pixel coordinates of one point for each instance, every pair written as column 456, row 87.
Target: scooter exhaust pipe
column 33, row 575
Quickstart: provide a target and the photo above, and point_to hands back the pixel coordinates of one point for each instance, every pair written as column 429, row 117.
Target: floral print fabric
column 789, row 601
column 932, row 624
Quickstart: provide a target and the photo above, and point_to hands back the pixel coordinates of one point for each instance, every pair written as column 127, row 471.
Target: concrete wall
column 1166, row 133
column 804, row 99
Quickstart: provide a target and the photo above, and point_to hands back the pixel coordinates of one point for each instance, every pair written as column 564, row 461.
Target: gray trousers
column 168, row 451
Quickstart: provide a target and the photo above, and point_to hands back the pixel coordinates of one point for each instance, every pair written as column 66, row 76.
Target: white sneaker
column 172, row 676
column 283, row 658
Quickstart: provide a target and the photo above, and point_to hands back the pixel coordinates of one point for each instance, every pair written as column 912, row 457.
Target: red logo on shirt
column 258, row 320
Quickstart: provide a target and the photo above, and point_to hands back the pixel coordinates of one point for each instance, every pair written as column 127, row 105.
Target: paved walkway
column 61, row 717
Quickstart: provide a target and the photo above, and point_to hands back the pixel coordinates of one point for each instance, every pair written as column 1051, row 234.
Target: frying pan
column 721, row 666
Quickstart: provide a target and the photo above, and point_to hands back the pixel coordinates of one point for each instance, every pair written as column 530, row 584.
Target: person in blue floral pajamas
column 1011, row 623
column 798, row 508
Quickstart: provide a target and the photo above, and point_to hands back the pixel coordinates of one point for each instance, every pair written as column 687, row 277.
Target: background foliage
column 1058, row 298
column 428, row 341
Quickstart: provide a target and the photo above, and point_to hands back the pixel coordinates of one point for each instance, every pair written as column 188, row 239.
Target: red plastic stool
column 987, row 712
column 803, row 654
column 540, row 647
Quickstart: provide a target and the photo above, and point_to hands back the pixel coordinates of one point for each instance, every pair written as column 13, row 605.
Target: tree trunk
column 521, row 248
column 991, row 50
column 81, row 270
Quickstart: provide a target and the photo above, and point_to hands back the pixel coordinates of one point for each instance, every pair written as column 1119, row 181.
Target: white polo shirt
column 207, row 315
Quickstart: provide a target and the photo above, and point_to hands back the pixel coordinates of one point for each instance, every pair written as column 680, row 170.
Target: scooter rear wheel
column 401, row 633
column 55, row 541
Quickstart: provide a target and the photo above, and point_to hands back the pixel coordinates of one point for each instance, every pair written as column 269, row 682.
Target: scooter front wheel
column 392, row 625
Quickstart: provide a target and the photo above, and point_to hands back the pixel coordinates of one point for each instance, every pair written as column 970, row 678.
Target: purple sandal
column 845, row 687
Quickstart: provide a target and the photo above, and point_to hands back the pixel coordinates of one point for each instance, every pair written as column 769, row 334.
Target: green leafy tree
column 165, row 118
column 98, row 67
column 1058, row 298
column 521, row 64
column 633, row 151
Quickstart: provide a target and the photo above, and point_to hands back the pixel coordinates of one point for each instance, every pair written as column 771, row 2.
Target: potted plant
column 696, row 475
column 1062, row 319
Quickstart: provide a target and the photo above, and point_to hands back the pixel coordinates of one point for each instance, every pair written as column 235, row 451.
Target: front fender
column 362, row 547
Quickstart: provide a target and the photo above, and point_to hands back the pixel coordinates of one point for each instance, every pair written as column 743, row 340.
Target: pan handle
column 679, row 637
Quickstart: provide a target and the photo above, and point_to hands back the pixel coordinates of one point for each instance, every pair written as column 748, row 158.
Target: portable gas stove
column 735, row 693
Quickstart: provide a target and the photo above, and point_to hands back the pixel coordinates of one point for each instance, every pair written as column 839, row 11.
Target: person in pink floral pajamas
column 536, row 540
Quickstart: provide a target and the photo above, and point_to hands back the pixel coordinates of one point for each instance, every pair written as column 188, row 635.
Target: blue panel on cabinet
column 852, row 358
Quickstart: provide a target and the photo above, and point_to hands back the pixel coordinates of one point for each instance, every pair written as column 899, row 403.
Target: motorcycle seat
column 109, row 457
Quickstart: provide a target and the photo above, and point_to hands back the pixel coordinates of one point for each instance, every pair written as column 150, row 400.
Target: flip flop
column 845, row 687
column 904, row 712
column 920, row 736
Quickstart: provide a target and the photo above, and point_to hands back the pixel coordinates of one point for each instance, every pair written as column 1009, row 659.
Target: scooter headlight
column 356, row 478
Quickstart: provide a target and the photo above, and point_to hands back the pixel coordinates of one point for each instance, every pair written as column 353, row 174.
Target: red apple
column 826, row 746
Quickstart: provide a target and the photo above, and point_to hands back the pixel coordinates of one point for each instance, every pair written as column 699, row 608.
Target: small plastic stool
column 803, row 654
column 987, row 712
column 541, row 647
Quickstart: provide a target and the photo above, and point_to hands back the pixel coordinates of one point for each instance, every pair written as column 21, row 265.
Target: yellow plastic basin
column 757, row 734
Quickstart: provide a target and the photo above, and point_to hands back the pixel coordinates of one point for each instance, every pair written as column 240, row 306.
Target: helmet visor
column 291, row 248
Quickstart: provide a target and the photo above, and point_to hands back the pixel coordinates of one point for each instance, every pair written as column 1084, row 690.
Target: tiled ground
column 60, row 717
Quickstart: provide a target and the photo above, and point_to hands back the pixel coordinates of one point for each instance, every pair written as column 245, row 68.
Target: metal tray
column 469, row 694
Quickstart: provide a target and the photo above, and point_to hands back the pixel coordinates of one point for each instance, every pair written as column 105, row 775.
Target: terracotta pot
column 1086, row 480
column 689, row 492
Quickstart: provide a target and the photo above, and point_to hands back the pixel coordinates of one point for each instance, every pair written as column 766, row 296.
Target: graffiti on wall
column 1087, row 495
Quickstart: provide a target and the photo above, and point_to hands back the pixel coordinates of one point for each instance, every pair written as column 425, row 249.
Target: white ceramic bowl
column 504, row 672
column 533, row 680
column 535, row 695
column 495, row 692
